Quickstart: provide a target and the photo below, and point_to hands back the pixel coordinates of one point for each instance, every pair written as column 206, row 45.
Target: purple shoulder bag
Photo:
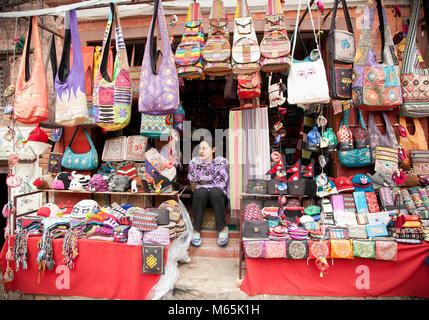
column 158, row 88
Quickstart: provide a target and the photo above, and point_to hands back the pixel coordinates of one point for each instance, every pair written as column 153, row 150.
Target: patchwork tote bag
column 158, row 88
column 189, row 52
column 80, row 161
column 70, row 104
column 341, row 55
column 275, row 46
column 51, row 59
column 217, row 49
column 245, row 47
column 31, row 94
column 375, row 85
column 307, row 82
column 112, row 97
column 414, row 79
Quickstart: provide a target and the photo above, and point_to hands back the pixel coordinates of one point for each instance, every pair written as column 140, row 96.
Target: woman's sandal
column 223, row 235
column 196, row 239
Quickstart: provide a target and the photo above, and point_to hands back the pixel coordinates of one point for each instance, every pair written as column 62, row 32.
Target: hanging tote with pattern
column 417, row 141
column 341, row 55
column 376, row 139
column 375, row 85
column 71, row 108
column 414, row 80
column 158, row 88
column 112, row 97
column 31, row 94
column 307, row 82
column 275, row 46
column 189, row 52
column 245, row 47
column 217, row 49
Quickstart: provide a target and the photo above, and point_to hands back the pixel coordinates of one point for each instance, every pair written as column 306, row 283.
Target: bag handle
column 345, row 119
column 106, row 45
column 296, row 28
column 410, row 62
column 52, row 58
column 87, row 137
column 302, row 42
column 217, row 12
column 346, row 15
column 153, row 58
column 359, row 118
column 274, row 8
column 194, row 13
column 27, row 47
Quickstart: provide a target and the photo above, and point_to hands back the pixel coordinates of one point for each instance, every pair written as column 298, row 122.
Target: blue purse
column 80, row 161
column 376, row 230
column 355, row 157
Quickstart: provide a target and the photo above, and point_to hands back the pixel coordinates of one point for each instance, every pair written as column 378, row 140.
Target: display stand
column 252, row 195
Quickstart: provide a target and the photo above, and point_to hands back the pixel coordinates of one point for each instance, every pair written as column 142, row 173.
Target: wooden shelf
column 167, row 194
column 270, row 195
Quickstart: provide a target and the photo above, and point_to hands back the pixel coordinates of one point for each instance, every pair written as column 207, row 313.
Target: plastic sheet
column 177, row 252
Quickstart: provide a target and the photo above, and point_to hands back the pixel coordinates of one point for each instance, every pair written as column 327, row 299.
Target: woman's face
column 206, row 152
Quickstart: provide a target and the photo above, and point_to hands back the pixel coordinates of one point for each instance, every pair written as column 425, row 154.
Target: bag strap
column 194, row 13
column 52, row 57
column 381, row 16
column 242, row 9
column 345, row 119
column 106, row 45
column 359, row 118
column 153, row 57
column 217, row 12
column 296, row 28
column 346, row 15
column 27, row 48
column 410, row 63
column 274, row 8
column 87, row 137
column 302, row 42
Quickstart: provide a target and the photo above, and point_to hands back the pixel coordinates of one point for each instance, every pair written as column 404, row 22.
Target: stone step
column 213, row 234
column 210, row 248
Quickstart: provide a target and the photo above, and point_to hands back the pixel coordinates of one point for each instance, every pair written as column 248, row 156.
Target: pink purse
column 337, row 202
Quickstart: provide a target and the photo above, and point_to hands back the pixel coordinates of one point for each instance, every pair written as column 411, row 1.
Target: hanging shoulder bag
column 80, row 161
column 112, row 97
column 158, row 88
column 307, row 82
column 376, row 139
column 341, row 55
column 409, row 142
column 31, row 94
column 70, row 104
column 414, row 80
column 375, row 85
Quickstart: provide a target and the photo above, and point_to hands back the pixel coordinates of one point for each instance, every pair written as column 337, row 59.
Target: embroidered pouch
column 341, row 249
column 296, row 249
column 254, row 249
column 152, row 259
column 364, row 249
column 275, row 249
column 386, row 250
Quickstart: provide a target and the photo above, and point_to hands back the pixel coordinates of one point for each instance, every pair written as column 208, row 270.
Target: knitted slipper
column 223, row 235
column 196, row 239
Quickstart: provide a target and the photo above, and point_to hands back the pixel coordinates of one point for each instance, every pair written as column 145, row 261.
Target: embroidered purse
column 342, row 249
column 386, row 160
column 249, row 86
column 257, row 186
column 420, row 162
column 155, row 126
column 275, row 249
column 378, row 218
column 386, row 250
column 372, row 202
column 159, row 89
column 255, row 229
column 414, row 79
column 319, row 249
column 136, row 148
column 337, row 202
column 341, row 55
column 307, row 82
column 376, row 85
column 70, row 104
column 31, row 96
column 364, row 249
column 376, row 230
column 296, row 249
column 153, row 259
column 254, row 249
column 80, row 161
column 114, row 149
column 357, row 232
column 337, row 233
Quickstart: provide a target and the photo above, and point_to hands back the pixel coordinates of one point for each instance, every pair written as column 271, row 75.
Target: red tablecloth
column 102, row 270
column 346, row 278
